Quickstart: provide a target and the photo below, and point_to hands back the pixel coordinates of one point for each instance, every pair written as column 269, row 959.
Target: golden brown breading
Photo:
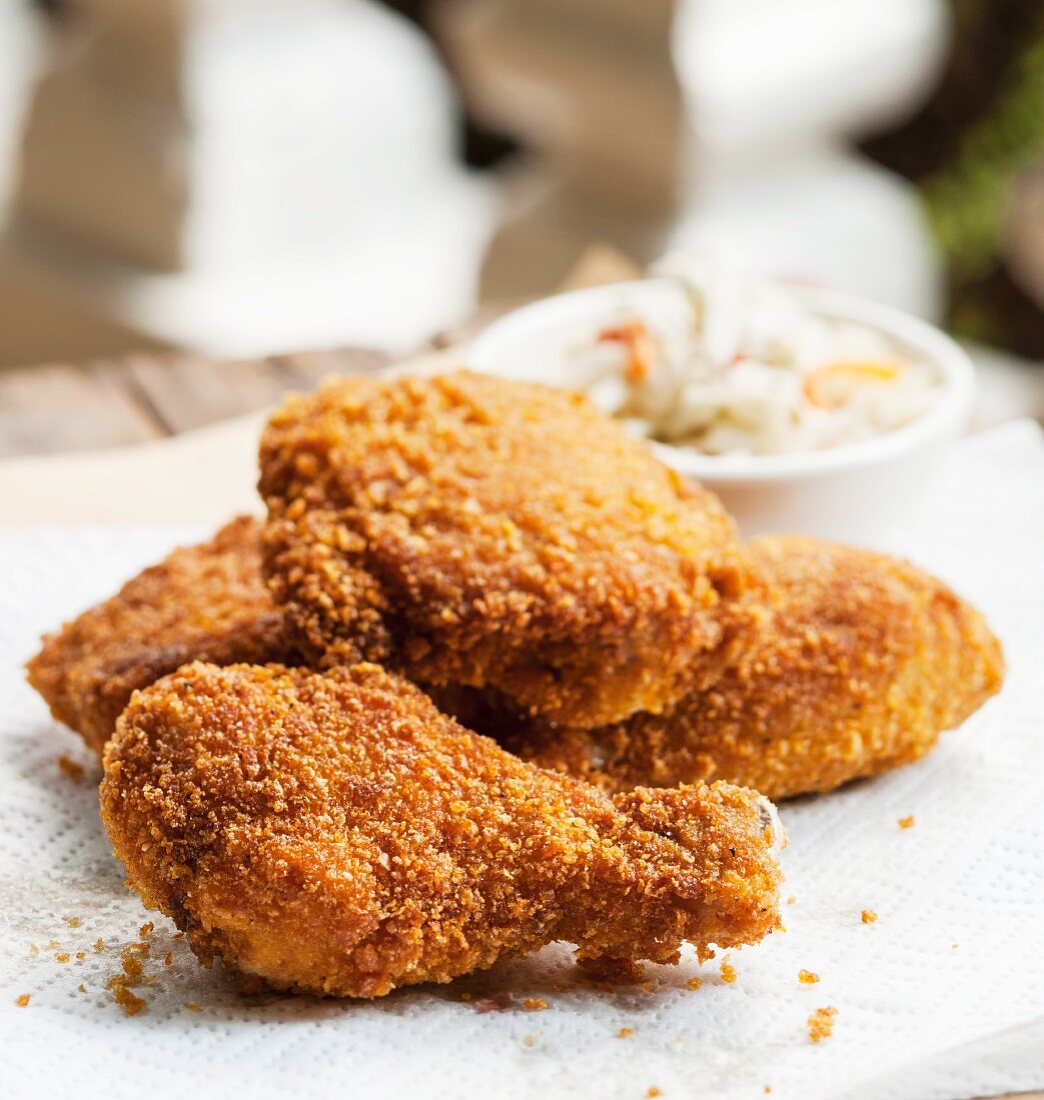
column 473, row 530
column 839, row 664
column 336, row 833
column 205, row 602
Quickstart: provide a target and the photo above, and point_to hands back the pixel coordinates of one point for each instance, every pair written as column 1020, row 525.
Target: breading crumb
column 868, row 916
column 23, row 1000
column 193, row 1007
column 99, row 945
column 791, row 900
column 728, row 971
column 34, row 950
column 527, row 1040
column 906, row 822
column 145, row 930
column 73, row 922
column 82, row 988
column 534, row 1004
column 62, row 957
column 625, row 1033
column 168, row 959
column 81, row 955
column 70, row 767
column 694, row 983
column 653, row 1091
column 130, row 1004
column 821, row 1024
column 808, row 977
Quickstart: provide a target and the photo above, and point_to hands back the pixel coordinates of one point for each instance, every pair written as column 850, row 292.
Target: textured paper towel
column 942, row 997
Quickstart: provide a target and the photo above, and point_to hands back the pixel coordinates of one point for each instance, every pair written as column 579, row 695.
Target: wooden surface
column 55, row 407
column 107, row 403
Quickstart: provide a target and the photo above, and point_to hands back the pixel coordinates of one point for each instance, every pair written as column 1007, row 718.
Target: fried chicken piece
column 205, row 602
column 337, row 834
column 473, row 530
column 839, row 664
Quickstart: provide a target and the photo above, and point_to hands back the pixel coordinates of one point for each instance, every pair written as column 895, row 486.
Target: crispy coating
column 839, row 664
column 205, row 602
column 336, row 833
column 472, row 530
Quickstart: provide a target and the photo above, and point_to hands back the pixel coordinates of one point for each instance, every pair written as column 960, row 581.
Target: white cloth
column 942, row 997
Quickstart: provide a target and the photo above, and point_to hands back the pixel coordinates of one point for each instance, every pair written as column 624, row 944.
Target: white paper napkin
column 942, row 997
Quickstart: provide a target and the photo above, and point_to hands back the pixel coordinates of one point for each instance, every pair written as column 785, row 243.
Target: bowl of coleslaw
column 806, row 410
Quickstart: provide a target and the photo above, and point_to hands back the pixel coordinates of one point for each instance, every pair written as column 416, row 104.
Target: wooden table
column 106, row 403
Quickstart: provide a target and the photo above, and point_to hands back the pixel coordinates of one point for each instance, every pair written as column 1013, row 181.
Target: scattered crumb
column 121, row 993
column 694, row 983
column 34, row 950
column 954, row 946
column 766, row 1089
column 53, row 943
column 653, row 1091
column 527, row 1040
column 168, row 959
column 82, row 988
column 728, row 971
column 497, row 1003
column 625, row 1033
column 808, row 977
column 868, row 916
column 81, row 954
column 73, row 922
column 534, row 1004
column 70, row 767
column 132, row 967
column 906, row 822
column 821, row 1024
column 790, row 901
column 194, row 1007
column 99, row 945
column 23, row 1000
column 145, row 930
column 62, row 957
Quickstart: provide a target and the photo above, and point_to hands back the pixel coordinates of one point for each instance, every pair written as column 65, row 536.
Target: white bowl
column 853, row 491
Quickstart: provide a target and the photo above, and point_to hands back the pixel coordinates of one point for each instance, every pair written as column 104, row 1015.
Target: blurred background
column 236, row 178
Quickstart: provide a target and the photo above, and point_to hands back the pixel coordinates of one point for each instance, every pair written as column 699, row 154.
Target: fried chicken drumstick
column 336, row 833
column 205, row 602
column 473, row 530
column 839, row 664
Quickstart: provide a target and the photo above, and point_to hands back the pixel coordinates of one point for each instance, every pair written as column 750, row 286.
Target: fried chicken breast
column 472, row 530
column 838, row 664
column 205, row 602
column 337, row 834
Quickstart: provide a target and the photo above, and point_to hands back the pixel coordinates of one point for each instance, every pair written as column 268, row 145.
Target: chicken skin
column 335, row 833
column 205, row 602
column 838, row 664
column 472, row 530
